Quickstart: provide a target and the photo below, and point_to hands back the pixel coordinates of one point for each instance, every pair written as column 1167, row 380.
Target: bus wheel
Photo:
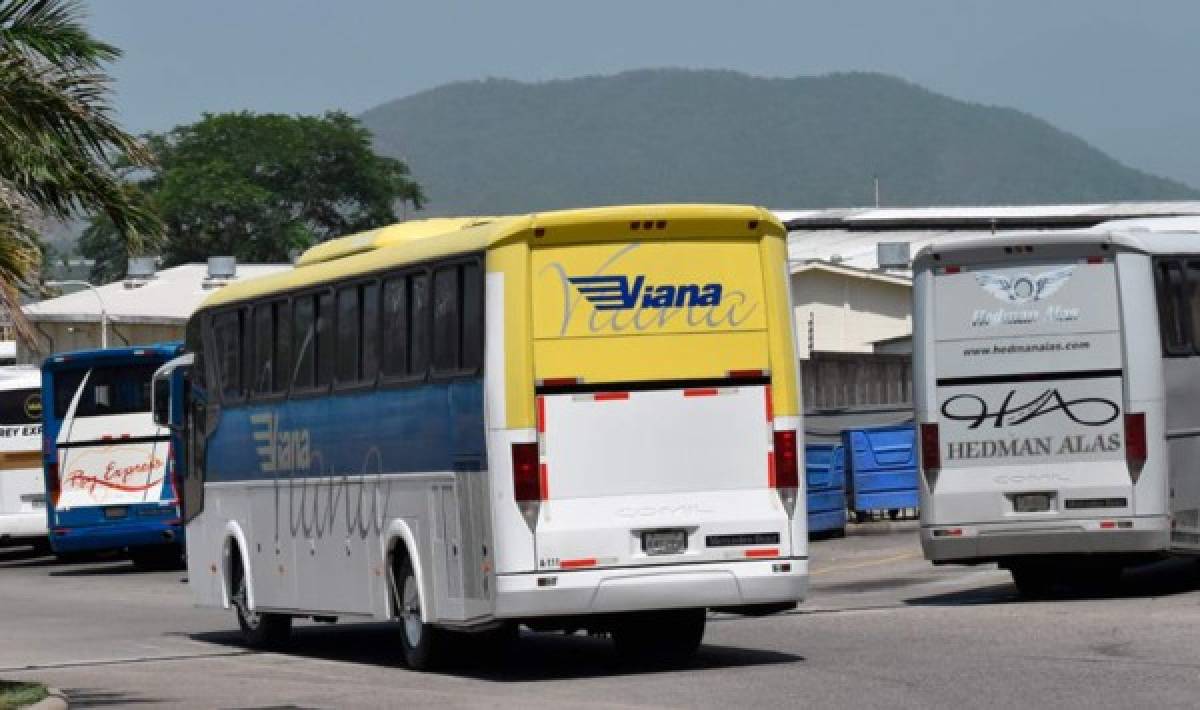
column 418, row 639
column 1032, row 582
column 661, row 636
column 259, row 630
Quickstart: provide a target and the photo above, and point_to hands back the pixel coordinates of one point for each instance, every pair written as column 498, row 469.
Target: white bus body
column 1058, row 422
column 22, row 490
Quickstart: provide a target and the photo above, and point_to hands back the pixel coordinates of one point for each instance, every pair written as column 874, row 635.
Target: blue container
column 825, row 479
column 882, row 465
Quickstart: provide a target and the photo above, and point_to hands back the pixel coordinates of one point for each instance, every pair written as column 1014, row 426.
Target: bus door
column 654, row 407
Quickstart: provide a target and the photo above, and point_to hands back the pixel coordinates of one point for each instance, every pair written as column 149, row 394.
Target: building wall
column 56, row 337
column 845, row 313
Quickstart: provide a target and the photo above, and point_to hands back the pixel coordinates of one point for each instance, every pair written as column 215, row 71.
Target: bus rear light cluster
column 784, row 469
column 53, row 485
column 1135, row 443
column 529, row 481
column 948, row 532
column 931, row 452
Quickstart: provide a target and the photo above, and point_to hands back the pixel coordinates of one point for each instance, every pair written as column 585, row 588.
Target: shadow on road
column 1159, row 579
column 97, row 698
column 535, row 657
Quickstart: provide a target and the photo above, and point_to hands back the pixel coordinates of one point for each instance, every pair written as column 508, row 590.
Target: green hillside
column 498, row 146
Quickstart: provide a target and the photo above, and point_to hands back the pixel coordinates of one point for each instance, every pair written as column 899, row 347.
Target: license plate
column 116, row 511
column 664, row 542
column 1032, row 502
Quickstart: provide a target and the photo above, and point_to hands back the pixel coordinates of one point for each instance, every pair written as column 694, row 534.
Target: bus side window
column 262, row 367
column 227, row 339
column 420, row 321
column 369, row 303
column 348, row 335
column 472, row 316
column 281, row 314
column 395, row 328
column 1174, row 307
column 447, row 328
column 304, row 337
column 325, row 339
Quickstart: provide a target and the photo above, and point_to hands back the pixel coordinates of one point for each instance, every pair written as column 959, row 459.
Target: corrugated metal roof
column 170, row 297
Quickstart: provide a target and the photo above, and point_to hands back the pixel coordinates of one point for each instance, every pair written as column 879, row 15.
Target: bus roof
column 108, row 355
column 423, row 240
column 1139, row 235
column 15, row 377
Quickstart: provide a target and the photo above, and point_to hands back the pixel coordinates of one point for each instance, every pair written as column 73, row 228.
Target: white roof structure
column 170, row 297
column 850, row 237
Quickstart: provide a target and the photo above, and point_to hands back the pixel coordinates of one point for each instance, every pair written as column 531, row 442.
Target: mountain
column 501, row 146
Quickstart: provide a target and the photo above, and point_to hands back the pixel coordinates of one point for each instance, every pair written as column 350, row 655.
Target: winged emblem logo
column 1023, row 288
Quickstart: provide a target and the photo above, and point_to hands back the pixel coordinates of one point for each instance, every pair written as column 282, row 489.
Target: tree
column 259, row 186
column 60, row 150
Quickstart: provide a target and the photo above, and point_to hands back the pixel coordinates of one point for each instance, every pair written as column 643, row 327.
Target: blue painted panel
column 826, row 521
column 824, row 466
column 823, row 501
column 428, row 427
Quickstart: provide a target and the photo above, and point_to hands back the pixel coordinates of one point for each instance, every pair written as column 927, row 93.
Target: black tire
column 419, row 641
column 260, row 630
column 661, row 636
column 1033, row 582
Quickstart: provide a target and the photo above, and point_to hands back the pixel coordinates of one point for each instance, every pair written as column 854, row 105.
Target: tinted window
column 447, row 325
column 325, row 339
column 283, row 346
column 348, row 345
column 1174, row 307
column 262, row 366
column 370, row 330
column 304, row 338
column 472, row 317
column 227, row 345
column 395, row 327
column 123, row 389
column 21, row 406
column 419, row 328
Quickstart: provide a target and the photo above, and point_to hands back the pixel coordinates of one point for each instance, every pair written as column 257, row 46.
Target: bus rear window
column 109, row 390
column 21, row 406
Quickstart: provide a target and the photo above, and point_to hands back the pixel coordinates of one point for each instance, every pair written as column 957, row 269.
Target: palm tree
column 61, row 152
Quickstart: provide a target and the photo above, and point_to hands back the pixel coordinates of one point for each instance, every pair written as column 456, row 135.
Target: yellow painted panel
column 784, row 366
column 647, row 287
column 512, row 260
column 651, row 357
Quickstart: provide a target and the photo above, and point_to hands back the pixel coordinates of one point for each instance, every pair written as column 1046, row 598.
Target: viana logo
column 1023, row 288
column 618, row 293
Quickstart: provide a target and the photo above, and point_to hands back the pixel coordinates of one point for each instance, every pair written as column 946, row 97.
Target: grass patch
column 18, row 694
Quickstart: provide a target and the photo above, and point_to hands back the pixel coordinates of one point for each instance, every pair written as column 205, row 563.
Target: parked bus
column 1056, row 381
column 579, row 419
column 22, row 492
column 109, row 469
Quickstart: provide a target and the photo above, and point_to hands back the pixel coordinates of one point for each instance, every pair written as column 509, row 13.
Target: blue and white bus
column 109, row 468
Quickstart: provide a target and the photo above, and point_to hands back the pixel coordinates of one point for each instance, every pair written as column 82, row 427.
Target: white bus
column 22, row 491
column 1056, row 386
column 581, row 419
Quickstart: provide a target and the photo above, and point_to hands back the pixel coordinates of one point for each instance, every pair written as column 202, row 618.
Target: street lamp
column 103, row 313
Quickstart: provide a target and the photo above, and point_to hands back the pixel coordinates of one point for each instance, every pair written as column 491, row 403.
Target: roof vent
column 139, row 270
column 892, row 255
column 221, row 270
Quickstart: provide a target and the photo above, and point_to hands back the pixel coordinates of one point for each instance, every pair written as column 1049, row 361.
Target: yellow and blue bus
column 576, row 419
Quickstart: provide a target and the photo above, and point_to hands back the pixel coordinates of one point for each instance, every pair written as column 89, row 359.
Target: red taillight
column 527, row 478
column 1135, row 443
column 53, row 485
column 787, row 467
column 931, row 447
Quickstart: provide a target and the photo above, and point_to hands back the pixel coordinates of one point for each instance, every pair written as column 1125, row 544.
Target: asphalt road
column 882, row 629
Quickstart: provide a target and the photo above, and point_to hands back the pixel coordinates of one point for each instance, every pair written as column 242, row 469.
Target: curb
column 55, row 700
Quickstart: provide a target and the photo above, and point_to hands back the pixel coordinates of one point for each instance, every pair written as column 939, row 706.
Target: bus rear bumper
column 115, row 537
column 990, row 542
column 605, row 591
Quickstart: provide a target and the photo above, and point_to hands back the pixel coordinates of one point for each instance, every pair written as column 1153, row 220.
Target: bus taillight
column 1135, row 443
column 931, row 452
column 785, row 469
column 527, row 478
column 53, row 485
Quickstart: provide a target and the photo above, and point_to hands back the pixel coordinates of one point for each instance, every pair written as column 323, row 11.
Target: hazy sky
column 1120, row 74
